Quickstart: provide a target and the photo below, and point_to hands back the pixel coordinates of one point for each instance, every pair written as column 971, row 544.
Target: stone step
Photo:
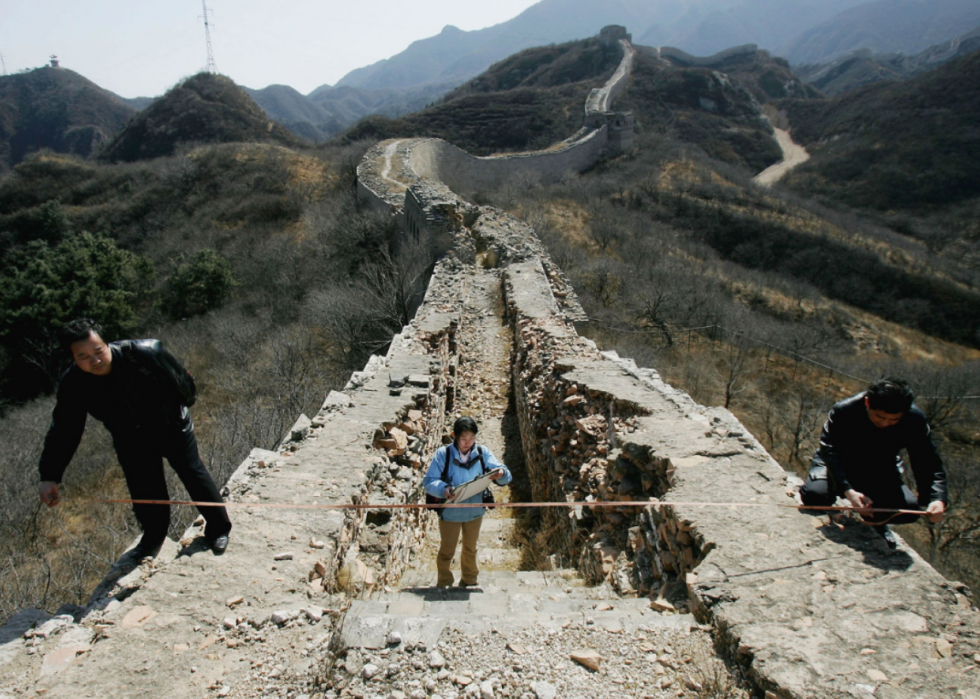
column 374, row 631
column 423, row 614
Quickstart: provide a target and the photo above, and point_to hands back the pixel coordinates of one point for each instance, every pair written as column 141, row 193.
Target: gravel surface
column 536, row 663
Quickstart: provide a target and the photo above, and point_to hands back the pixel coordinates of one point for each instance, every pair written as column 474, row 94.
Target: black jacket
column 859, row 455
column 146, row 392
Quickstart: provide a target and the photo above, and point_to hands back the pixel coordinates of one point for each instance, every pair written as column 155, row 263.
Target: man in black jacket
column 859, row 459
column 141, row 393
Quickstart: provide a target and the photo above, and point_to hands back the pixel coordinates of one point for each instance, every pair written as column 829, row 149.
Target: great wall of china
column 797, row 607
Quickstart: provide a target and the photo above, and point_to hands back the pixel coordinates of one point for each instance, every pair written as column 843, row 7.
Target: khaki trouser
column 449, row 535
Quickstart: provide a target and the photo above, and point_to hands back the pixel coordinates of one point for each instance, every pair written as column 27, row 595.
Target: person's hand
column 496, row 474
column 859, row 501
column 449, row 491
column 49, row 493
column 935, row 511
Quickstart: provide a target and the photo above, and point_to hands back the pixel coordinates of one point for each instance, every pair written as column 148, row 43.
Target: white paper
column 471, row 488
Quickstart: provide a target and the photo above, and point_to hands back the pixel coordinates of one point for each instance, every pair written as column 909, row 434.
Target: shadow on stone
column 198, row 545
column 862, row 538
column 436, row 594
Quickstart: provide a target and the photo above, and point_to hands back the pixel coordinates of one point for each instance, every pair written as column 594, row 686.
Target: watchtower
column 613, row 34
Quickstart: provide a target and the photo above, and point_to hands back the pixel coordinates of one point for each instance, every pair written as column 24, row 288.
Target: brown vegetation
column 285, row 286
column 649, row 243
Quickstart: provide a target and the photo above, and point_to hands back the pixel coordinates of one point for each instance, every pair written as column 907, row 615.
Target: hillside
column 203, row 109
column 863, row 67
column 708, row 108
column 884, row 26
column 58, row 109
column 534, row 98
column 328, row 110
column 528, row 101
column 909, row 147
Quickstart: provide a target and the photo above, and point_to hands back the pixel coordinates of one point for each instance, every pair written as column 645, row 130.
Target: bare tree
column 734, row 366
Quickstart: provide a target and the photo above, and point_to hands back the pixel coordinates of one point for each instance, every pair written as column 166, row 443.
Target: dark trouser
column 891, row 494
column 141, row 455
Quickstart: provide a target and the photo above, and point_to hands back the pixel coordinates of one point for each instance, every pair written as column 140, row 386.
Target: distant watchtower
column 613, row 33
column 55, row 63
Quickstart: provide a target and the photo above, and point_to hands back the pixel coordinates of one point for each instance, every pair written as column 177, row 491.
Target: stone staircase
column 506, row 601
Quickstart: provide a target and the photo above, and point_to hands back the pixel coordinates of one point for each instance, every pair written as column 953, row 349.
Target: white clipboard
column 473, row 487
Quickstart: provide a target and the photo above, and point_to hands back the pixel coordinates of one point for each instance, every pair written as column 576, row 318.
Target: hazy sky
column 142, row 47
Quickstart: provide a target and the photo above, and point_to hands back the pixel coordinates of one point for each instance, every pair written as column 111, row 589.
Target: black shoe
column 888, row 535
column 146, row 547
column 218, row 544
column 465, row 584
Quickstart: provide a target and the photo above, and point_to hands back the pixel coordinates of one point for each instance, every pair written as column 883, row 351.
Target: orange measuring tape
column 513, row 505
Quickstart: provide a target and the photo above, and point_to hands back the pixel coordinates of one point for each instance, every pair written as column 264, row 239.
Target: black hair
column 76, row 331
column 890, row 395
column 464, row 424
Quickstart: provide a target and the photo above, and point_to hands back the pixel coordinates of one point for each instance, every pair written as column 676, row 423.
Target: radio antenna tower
column 211, row 68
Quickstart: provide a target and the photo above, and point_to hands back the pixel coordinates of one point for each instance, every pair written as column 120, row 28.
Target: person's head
column 82, row 338
column 887, row 400
column 464, row 433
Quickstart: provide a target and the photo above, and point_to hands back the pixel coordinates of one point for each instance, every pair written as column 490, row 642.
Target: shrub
column 198, row 286
column 43, row 287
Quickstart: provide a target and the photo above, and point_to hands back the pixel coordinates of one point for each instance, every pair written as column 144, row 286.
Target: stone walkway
column 400, row 641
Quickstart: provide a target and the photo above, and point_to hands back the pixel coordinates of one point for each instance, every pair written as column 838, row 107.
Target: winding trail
column 793, row 155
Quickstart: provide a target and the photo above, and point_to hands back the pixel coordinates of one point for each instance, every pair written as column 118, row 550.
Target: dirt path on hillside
column 793, row 155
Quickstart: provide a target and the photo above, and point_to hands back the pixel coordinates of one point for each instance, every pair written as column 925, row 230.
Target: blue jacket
column 459, row 474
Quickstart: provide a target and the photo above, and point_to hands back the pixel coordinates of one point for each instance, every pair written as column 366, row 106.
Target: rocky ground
column 545, row 662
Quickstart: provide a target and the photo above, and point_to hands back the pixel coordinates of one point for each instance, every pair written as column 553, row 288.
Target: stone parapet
column 600, row 99
column 807, row 609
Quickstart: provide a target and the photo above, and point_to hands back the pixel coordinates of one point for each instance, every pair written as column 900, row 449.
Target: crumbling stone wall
column 390, row 170
column 600, row 99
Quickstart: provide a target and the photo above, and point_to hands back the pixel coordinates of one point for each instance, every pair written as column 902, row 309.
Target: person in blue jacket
column 453, row 465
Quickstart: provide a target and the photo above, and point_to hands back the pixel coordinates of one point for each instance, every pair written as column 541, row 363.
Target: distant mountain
column 864, row 68
column 328, row 110
column 56, row 108
column 205, row 108
column 697, row 26
column 708, row 27
column 139, row 103
column 431, row 67
column 910, row 146
column 884, row 26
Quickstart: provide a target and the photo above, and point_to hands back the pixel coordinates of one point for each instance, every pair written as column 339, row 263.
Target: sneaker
column 465, row 584
column 888, row 535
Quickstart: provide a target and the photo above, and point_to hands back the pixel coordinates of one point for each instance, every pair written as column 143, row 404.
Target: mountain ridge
column 862, row 67
column 205, row 108
column 59, row 109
